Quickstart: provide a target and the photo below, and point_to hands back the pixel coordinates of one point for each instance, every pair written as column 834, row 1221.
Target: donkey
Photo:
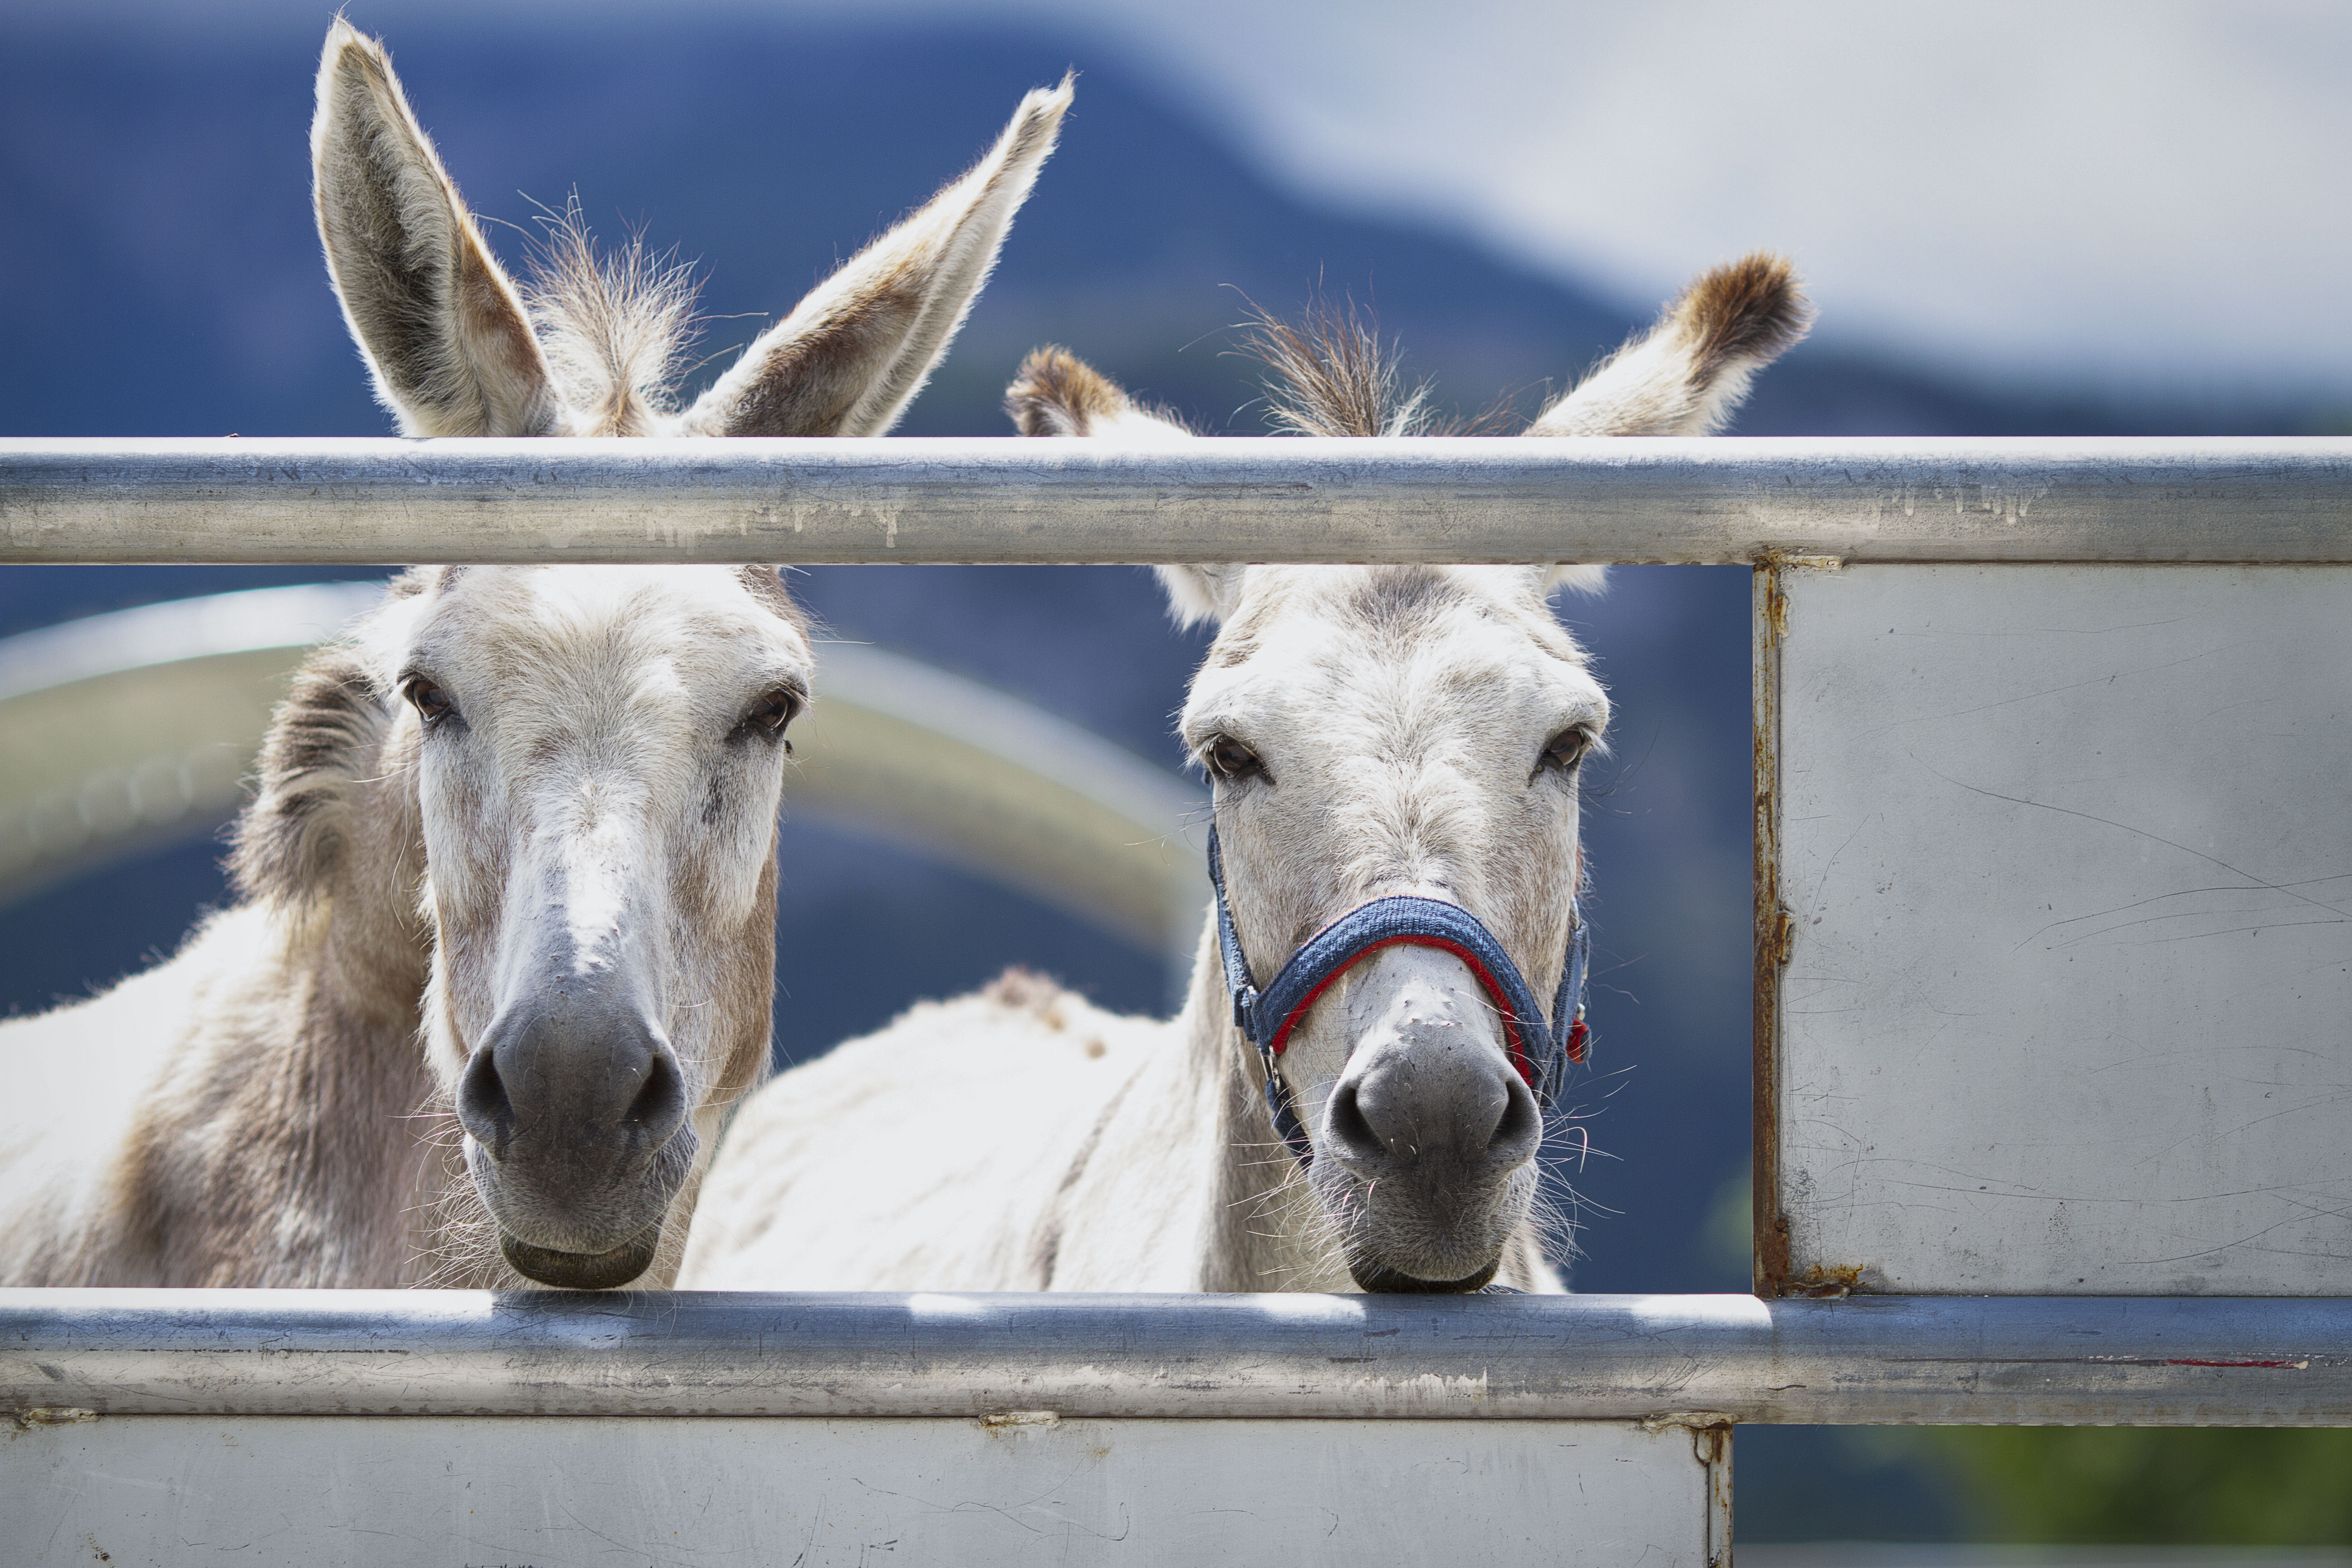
column 1378, row 739
column 504, row 953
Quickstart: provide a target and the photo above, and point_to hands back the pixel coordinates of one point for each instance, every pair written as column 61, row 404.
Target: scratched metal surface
column 1687, row 1359
column 2067, row 852
column 1722, row 499
column 587, row 1490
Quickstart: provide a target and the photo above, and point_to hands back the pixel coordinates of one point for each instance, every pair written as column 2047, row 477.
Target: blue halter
column 1540, row 1053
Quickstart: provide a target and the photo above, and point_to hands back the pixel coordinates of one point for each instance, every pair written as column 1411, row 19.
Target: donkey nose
column 579, row 1080
column 1432, row 1102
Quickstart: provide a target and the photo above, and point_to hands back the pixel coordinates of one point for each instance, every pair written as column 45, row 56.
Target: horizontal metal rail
column 2274, row 1362
column 1436, row 500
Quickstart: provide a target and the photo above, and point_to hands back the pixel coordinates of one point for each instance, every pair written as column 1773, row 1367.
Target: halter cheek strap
column 1540, row 1052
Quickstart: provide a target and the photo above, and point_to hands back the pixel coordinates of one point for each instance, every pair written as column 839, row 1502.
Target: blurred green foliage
column 2218, row 1486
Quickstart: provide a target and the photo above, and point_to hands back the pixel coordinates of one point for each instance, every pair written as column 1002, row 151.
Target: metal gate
column 2053, row 1071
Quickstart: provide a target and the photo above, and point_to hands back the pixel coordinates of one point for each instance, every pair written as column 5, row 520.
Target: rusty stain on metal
column 1710, row 1435
column 1699, row 1423
column 51, row 1416
column 1828, row 1279
column 1712, row 1445
column 1774, row 933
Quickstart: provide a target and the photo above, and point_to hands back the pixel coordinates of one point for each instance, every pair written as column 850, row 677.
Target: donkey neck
column 292, row 1145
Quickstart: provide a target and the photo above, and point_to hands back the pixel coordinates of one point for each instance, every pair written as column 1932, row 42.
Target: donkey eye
column 1229, row 759
column 771, row 714
column 432, row 704
column 1565, row 749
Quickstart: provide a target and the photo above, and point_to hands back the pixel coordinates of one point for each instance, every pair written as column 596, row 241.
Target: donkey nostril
column 1344, row 1124
column 660, row 1106
column 483, row 1109
column 1519, row 1127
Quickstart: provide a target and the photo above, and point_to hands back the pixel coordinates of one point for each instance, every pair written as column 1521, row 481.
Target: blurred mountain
column 164, row 277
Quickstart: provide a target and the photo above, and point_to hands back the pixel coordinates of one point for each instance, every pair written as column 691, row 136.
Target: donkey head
column 582, row 766
column 1379, row 731
column 539, row 805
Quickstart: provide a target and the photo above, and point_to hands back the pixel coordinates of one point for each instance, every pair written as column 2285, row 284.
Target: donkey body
column 504, row 953
column 1368, row 731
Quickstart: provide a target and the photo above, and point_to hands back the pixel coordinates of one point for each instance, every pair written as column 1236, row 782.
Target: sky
column 2125, row 199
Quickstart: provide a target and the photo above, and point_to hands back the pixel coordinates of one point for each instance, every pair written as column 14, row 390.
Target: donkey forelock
column 614, row 329
column 1334, row 376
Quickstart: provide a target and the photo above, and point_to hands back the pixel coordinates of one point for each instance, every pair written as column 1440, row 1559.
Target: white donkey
column 1379, row 739
column 505, row 953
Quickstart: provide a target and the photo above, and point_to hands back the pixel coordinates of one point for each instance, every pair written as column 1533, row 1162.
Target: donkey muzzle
column 1428, row 1142
column 576, row 1113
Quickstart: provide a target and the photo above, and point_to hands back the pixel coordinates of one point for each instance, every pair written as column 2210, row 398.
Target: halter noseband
column 1541, row 1052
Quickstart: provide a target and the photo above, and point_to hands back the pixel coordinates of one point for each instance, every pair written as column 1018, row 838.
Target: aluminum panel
column 2066, row 858
column 557, row 1491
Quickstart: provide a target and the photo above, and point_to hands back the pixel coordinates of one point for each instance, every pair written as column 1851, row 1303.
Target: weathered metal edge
column 1769, row 1258
column 1724, row 500
column 1698, row 1360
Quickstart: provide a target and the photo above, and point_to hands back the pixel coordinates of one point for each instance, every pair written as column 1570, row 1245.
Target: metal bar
column 1694, row 1360
column 1436, row 500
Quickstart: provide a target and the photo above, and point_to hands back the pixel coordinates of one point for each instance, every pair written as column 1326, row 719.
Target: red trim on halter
column 1494, row 990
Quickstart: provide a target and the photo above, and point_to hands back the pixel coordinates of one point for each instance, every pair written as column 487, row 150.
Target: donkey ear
column 440, row 324
column 1549, row 580
column 853, row 353
column 1198, row 594
column 1687, row 375
column 1058, row 393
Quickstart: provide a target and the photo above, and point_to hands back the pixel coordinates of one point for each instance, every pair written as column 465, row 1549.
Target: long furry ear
column 853, row 353
column 445, row 335
column 1687, row 375
column 1056, row 392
